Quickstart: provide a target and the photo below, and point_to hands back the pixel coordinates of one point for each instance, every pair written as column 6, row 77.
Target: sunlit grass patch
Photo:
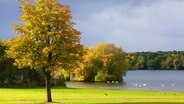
column 71, row 96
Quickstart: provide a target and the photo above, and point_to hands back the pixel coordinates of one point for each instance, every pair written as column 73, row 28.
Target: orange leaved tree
column 45, row 40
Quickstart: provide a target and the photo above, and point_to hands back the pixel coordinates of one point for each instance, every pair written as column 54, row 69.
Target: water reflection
column 141, row 80
column 155, row 80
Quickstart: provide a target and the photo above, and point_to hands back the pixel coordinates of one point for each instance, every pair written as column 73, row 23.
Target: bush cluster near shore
column 103, row 62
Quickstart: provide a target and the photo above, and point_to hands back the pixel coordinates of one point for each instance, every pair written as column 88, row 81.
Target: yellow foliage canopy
column 46, row 39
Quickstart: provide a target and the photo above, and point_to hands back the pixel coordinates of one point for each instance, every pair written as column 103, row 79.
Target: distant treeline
column 171, row 60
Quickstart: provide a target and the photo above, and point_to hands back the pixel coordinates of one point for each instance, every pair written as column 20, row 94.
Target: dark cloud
column 136, row 25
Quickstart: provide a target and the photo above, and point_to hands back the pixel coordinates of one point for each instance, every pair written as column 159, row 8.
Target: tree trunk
column 48, row 86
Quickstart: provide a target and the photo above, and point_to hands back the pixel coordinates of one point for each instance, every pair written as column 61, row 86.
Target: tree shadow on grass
column 53, row 102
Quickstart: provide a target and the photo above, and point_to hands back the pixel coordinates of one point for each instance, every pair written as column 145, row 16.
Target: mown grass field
column 73, row 96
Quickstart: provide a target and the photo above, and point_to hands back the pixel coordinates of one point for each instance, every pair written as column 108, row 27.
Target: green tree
column 182, row 61
column 177, row 63
column 150, row 64
column 11, row 76
column 46, row 40
column 168, row 62
column 132, row 62
column 141, row 63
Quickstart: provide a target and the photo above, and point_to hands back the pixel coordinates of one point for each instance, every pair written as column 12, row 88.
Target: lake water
column 160, row 80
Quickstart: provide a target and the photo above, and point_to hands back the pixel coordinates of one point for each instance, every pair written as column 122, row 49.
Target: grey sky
column 135, row 25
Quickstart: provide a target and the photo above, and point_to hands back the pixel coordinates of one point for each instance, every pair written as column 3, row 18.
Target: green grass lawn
column 73, row 96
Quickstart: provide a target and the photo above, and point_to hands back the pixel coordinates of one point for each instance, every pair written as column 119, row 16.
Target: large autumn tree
column 45, row 40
